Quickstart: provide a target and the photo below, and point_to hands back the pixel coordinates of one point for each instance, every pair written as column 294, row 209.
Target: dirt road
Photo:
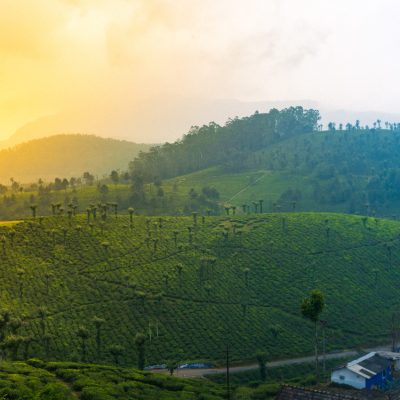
column 196, row 373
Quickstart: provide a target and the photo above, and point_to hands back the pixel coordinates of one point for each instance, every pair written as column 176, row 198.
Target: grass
column 234, row 278
column 244, row 187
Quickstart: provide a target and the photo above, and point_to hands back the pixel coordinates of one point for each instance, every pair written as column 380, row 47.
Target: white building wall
column 344, row 376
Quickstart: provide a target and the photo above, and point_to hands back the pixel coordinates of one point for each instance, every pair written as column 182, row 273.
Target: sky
column 149, row 69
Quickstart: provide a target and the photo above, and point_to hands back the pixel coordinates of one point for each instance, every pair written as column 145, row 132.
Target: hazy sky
column 116, row 61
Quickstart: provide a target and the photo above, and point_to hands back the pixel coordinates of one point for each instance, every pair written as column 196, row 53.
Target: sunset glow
column 108, row 67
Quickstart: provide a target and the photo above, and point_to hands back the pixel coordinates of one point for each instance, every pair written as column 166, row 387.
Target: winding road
column 198, row 373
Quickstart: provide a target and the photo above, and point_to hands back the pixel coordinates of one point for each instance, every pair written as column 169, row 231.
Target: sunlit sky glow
column 111, row 66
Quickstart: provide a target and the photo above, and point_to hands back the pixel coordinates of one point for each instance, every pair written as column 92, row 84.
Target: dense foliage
column 358, row 169
column 36, row 379
column 227, row 145
column 81, row 290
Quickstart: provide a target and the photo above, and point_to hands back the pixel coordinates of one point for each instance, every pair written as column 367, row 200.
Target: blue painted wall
column 380, row 379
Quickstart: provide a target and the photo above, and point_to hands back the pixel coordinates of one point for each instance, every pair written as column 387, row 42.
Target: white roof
column 369, row 355
column 390, row 355
column 364, row 371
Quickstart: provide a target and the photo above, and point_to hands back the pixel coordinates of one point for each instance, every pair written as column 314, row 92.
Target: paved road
column 196, row 373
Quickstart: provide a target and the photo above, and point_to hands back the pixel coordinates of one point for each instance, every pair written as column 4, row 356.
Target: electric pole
column 228, row 383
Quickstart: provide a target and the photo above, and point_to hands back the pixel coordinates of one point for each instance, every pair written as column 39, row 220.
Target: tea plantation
column 81, row 289
column 36, row 379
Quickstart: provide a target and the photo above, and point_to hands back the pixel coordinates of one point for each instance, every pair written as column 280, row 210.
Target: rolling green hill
column 354, row 171
column 192, row 285
column 36, row 379
column 282, row 157
column 272, row 157
column 65, row 156
column 341, row 171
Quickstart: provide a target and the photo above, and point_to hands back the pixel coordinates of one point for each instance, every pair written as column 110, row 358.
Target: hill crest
column 65, row 155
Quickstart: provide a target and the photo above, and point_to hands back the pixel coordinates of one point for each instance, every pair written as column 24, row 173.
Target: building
column 394, row 357
column 372, row 371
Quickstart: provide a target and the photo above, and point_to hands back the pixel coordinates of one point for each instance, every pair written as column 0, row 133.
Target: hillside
column 65, row 156
column 271, row 157
column 36, row 379
column 191, row 286
column 282, row 157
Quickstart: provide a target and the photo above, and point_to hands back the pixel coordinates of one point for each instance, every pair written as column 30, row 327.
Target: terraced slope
column 192, row 286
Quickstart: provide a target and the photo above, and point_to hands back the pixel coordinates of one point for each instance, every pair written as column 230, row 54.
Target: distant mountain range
column 66, row 156
column 157, row 121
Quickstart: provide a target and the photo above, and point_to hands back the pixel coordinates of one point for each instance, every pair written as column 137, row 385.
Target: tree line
column 226, row 145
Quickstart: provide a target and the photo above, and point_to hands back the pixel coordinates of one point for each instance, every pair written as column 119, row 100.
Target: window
column 342, row 377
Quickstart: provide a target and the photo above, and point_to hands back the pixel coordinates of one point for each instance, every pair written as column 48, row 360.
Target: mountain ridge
column 65, row 155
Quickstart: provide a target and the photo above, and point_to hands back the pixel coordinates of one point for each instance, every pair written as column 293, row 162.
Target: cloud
column 114, row 58
column 98, row 55
column 29, row 28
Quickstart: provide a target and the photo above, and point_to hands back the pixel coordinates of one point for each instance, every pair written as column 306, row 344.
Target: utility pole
column 228, row 383
column 324, row 323
column 394, row 332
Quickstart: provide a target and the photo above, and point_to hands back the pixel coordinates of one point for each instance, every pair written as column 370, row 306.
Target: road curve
column 198, row 373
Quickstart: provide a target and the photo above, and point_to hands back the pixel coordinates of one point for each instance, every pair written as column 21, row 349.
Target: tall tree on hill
column 33, row 208
column 88, row 178
column 138, row 196
column 179, row 268
column 116, row 352
column 255, row 204
column 140, row 342
column 131, row 210
column 12, row 234
column 88, row 213
column 5, row 317
column 83, row 334
column 98, row 323
column 3, row 242
column 12, row 343
column 311, row 308
column 262, row 367
column 114, row 177
column 53, row 208
column 44, row 337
